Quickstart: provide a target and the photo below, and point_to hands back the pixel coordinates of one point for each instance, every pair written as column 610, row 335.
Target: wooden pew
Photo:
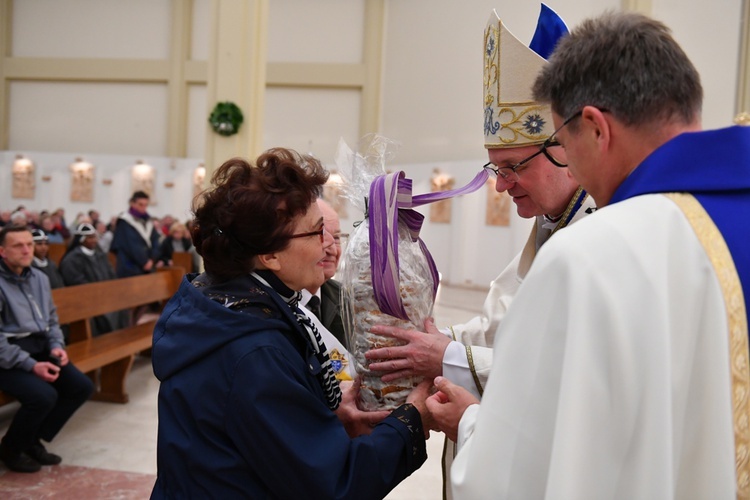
column 56, row 252
column 183, row 259
column 112, row 257
column 108, row 357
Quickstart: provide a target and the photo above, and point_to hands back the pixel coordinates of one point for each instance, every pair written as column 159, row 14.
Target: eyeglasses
column 510, row 174
column 320, row 233
column 553, row 137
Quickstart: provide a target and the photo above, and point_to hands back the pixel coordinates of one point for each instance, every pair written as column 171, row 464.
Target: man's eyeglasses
column 320, row 233
column 510, row 174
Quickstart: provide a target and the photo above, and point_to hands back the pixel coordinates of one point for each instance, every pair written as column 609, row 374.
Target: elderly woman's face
column 302, row 262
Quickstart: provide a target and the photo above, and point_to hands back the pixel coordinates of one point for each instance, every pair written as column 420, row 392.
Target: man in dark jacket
column 325, row 302
column 136, row 241
column 85, row 262
column 34, row 367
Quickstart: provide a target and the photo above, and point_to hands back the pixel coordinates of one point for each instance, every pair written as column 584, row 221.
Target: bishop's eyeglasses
column 510, row 173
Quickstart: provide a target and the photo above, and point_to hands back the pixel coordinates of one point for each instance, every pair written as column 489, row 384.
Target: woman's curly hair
column 251, row 210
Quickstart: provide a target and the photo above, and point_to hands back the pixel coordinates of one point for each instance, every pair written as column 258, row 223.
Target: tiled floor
column 104, row 438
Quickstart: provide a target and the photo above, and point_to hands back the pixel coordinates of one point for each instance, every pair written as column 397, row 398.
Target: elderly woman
column 178, row 240
column 248, row 404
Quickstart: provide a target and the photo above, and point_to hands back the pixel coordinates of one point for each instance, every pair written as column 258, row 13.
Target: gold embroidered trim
column 445, row 466
column 718, row 252
column 474, row 371
column 510, row 121
column 470, row 358
column 491, row 69
column 505, row 126
column 453, row 334
column 564, row 222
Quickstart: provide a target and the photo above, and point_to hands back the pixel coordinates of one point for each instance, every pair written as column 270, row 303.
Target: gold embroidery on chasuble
column 723, row 264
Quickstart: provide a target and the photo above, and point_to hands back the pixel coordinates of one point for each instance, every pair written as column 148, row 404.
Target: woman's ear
column 269, row 261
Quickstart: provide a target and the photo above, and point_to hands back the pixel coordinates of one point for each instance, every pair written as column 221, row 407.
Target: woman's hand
column 356, row 422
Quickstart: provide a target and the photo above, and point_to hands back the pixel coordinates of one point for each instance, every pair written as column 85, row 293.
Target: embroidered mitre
column 511, row 117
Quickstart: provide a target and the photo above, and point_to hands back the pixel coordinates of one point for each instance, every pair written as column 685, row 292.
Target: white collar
column 306, row 296
column 143, row 230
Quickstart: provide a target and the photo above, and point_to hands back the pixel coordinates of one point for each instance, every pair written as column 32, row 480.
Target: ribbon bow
column 391, row 200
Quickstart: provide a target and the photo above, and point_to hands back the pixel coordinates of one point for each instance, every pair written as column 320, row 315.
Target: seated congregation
column 71, row 327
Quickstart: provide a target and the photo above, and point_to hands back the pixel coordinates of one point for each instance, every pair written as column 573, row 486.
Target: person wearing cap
column 85, row 262
column 34, row 367
column 135, row 240
column 41, row 260
column 530, row 166
column 19, row 218
column 632, row 379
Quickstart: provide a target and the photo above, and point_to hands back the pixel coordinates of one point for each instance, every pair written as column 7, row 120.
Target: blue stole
column 714, row 167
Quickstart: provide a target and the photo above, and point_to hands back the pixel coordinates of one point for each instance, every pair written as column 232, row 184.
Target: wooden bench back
column 76, row 304
column 183, row 259
column 56, row 252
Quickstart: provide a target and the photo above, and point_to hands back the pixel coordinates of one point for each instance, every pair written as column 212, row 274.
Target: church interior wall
column 430, row 98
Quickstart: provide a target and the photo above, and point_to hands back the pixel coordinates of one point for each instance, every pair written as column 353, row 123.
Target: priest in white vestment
column 632, row 381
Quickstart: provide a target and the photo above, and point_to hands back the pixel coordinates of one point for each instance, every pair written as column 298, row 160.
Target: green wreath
column 226, row 118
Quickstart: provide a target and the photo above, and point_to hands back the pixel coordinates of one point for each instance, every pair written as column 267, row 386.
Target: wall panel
column 320, row 31
column 137, row 29
column 88, row 117
column 311, row 120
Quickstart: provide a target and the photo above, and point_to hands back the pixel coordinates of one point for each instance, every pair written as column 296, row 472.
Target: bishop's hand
column 420, row 356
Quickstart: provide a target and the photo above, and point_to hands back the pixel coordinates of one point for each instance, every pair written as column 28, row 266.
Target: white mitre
column 511, row 117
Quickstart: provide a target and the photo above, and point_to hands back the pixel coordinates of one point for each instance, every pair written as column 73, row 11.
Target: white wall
column 137, row 29
column 431, row 72
column 709, row 32
column 109, row 199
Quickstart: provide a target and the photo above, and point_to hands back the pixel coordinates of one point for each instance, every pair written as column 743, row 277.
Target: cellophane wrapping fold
column 360, row 310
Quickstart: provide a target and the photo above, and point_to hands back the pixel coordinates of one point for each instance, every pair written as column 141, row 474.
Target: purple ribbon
column 391, row 200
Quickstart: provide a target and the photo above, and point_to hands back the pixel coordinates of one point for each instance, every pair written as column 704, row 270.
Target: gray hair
column 18, row 217
column 627, row 64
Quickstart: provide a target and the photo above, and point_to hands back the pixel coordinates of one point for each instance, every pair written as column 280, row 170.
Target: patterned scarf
column 326, row 376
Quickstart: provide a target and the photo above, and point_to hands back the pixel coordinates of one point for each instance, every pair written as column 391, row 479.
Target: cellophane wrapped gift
column 414, row 277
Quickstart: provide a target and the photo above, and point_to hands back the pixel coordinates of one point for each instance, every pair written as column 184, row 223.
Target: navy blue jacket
column 242, row 413
column 131, row 248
